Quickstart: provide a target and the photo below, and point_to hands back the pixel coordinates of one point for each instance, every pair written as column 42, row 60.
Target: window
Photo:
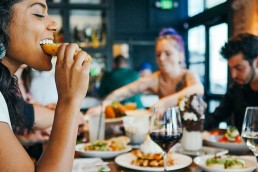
column 218, row 65
column 213, row 3
column 197, row 6
column 213, row 104
column 196, row 46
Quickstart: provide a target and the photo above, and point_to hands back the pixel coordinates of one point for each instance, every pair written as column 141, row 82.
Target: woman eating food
column 25, row 26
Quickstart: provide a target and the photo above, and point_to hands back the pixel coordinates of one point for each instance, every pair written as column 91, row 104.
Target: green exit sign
column 166, row 4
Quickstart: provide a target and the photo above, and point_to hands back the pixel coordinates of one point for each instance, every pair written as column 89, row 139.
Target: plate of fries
column 152, row 163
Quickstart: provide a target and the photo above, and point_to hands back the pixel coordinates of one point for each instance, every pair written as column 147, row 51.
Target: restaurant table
column 116, row 168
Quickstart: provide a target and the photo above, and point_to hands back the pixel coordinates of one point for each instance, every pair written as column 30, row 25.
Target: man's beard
column 250, row 79
column 252, row 75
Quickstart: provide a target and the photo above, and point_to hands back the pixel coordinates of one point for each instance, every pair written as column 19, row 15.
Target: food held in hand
column 225, row 162
column 113, row 144
column 51, row 48
column 232, row 135
column 150, row 155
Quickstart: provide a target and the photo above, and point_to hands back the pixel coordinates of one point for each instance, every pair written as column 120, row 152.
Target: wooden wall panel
column 245, row 16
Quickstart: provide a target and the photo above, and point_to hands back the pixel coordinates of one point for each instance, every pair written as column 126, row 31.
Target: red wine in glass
column 166, row 129
column 166, row 140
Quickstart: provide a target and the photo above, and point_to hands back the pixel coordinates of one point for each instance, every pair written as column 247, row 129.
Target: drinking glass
column 250, row 130
column 166, row 129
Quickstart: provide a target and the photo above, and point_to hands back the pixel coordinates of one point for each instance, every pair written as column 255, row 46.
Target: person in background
column 171, row 81
column 121, row 75
column 18, row 34
column 242, row 55
column 43, row 88
column 145, row 69
column 147, row 99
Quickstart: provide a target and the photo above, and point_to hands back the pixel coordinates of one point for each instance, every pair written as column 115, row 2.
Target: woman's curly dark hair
column 9, row 84
column 243, row 43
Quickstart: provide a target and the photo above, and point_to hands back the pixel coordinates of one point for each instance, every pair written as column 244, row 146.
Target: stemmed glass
column 250, row 130
column 166, row 129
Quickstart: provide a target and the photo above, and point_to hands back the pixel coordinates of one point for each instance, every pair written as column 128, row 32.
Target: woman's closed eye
column 39, row 15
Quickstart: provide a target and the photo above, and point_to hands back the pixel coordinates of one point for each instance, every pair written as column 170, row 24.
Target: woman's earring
column 2, row 51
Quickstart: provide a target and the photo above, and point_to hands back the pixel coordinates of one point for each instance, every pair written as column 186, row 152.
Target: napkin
column 89, row 165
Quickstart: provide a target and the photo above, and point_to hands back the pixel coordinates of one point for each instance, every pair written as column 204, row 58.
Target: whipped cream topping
column 182, row 103
column 150, row 147
column 46, row 41
column 190, row 116
column 192, row 107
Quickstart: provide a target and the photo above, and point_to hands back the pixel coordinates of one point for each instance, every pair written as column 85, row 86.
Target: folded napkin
column 89, row 165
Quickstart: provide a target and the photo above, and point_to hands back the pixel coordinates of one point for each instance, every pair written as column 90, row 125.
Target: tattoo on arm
column 129, row 90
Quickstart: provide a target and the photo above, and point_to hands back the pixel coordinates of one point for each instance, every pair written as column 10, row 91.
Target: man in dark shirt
column 242, row 55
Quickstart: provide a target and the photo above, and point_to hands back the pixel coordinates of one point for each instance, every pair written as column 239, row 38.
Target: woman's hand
column 72, row 73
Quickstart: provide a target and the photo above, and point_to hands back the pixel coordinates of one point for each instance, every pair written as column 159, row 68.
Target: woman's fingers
column 61, row 52
column 80, row 58
column 72, row 72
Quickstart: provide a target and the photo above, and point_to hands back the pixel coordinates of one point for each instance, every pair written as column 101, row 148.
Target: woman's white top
column 4, row 113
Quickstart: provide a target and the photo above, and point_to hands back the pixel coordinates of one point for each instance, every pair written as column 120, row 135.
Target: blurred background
column 107, row 28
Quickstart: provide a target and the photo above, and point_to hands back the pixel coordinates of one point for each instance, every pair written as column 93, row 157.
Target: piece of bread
column 52, row 49
column 121, row 140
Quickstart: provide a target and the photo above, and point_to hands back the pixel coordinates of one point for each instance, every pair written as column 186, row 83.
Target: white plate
column 205, row 150
column 108, row 120
column 89, row 164
column 99, row 154
column 234, row 148
column 180, row 161
column 201, row 162
column 137, row 112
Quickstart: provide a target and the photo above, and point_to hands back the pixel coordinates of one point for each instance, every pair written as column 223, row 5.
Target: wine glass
column 166, row 129
column 250, row 129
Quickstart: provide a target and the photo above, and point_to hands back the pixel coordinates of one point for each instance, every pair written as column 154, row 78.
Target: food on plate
column 114, row 110
column 113, row 144
column 150, row 147
column 232, row 135
column 149, row 155
column 225, row 162
column 51, row 48
column 130, row 106
column 110, row 112
column 192, row 110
